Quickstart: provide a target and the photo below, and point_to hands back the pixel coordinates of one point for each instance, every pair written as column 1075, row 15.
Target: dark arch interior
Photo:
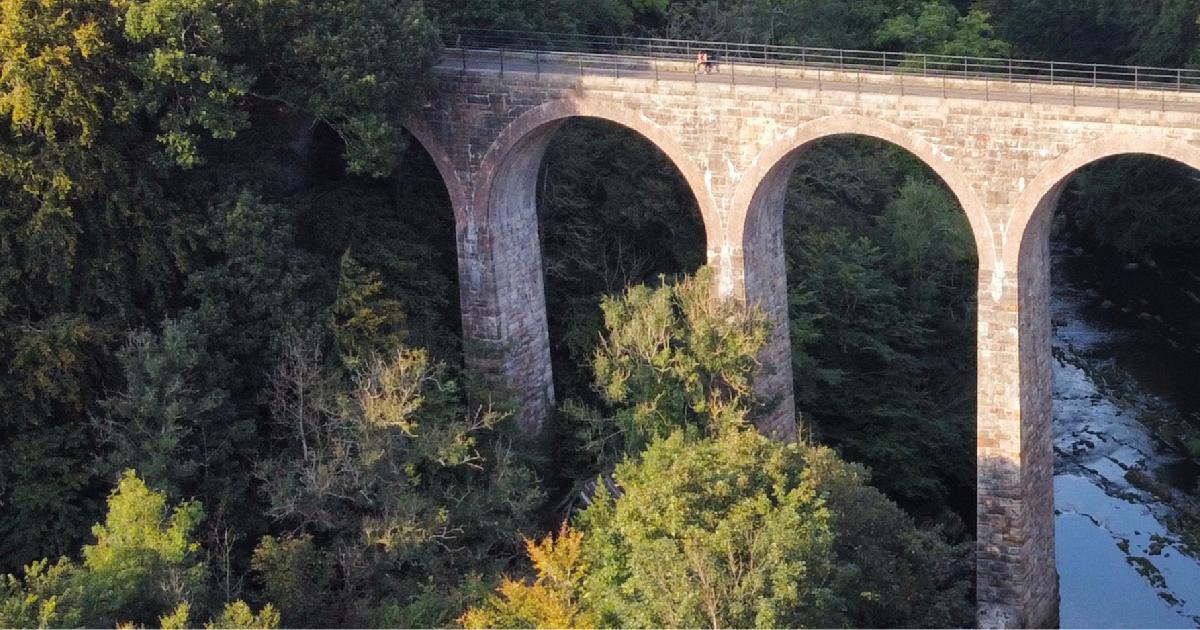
column 400, row 227
column 882, row 273
column 612, row 212
column 1124, row 242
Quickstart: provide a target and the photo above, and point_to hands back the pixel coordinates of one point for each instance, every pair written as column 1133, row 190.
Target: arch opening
column 1110, row 249
column 582, row 203
column 861, row 246
column 398, row 230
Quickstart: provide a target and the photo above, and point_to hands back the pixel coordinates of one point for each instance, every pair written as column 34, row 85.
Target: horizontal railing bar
column 610, row 49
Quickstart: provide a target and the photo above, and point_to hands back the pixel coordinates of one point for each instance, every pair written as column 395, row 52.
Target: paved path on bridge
column 825, row 79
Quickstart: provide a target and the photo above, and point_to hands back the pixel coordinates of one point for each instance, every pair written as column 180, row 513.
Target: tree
column 938, row 28
column 167, row 400
column 410, row 485
column 672, row 356
column 551, row 601
column 738, row 531
column 142, row 564
column 881, row 268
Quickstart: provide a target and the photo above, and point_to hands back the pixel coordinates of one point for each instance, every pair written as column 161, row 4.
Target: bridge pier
column 1016, row 576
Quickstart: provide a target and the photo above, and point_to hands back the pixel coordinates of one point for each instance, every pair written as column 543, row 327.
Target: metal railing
column 627, row 50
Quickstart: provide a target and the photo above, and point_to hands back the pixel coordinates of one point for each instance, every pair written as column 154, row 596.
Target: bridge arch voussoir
column 1039, row 196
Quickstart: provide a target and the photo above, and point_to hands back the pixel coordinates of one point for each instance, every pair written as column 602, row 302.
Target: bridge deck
column 821, row 79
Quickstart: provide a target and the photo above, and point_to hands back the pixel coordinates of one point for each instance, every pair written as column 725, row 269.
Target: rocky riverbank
column 1126, row 554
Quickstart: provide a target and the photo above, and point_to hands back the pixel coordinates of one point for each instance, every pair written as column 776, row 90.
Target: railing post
column 1135, row 78
column 464, row 58
column 924, row 65
column 501, row 62
column 1095, row 75
column 1178, row 79
column 1051, row 73
column 537, row 60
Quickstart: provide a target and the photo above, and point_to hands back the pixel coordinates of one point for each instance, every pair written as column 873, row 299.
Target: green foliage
column 882, row 296
column 1158, row 32
column 551, row 601
column 144, row 561
column 142, row 564
column 372, row 460
column 737, row 531
column 239, row 615
column 35, row 600
column 671, row 357
column 606, row 225
column 363, row 320
column 132, row 134
column 338, row 61
column 297, row 577
column 938, row 28
column 558, row 16
column 167, row 399
column 1135, row 205
column 676, row 356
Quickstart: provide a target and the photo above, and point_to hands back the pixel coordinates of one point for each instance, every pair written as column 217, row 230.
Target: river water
column 1120, row 562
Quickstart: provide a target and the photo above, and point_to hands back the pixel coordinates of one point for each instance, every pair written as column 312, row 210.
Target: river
column 1120, row 559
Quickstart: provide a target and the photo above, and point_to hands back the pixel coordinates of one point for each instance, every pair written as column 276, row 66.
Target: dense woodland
column 232, row 386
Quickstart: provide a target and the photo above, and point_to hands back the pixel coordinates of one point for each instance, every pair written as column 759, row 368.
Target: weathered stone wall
column 734, row 144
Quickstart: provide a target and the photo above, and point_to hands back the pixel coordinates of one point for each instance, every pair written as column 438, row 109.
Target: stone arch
column 503, row 215
column 530, row 132
column 753, row 265
column 444, row 163
column 767, row 175
column 1039, row 195
column 1027, row 250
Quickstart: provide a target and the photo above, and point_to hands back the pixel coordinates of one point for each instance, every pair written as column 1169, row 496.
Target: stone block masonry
column 1004, row 158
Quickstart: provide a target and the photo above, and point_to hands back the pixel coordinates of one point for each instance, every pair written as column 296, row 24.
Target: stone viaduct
column 1004, row 149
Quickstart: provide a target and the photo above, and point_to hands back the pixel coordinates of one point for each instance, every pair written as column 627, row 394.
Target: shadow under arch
column 502, row 224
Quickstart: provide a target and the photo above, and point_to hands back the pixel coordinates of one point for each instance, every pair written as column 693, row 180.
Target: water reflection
column 1119, row 563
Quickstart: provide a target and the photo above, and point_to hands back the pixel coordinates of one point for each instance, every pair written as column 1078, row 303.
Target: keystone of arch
column 779, row 155
column 1051, row 177
column 537, row 122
